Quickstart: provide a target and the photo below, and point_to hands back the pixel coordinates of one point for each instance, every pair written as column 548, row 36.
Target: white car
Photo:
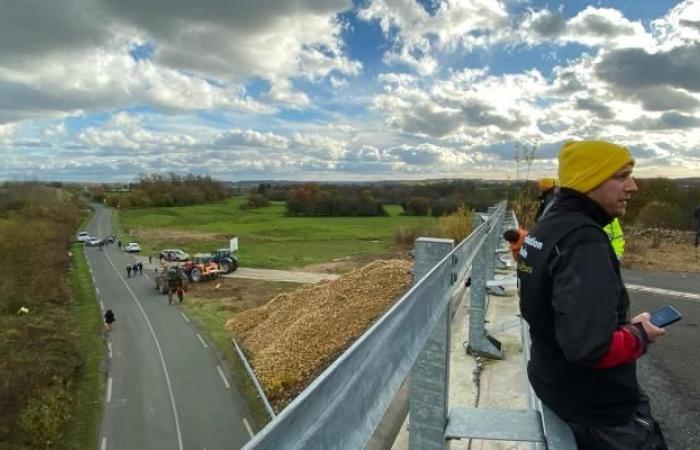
column 93, row 241
column 132, row 247
column 83, row 236
column 174, row 254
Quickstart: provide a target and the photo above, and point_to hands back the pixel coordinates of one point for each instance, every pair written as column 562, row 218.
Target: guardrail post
column 429, row 376
column 480, row 342
column 492, row 243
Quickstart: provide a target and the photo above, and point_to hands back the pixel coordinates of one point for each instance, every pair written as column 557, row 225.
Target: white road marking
column 223, row 377
column 202, row 341
column 102, row 305
column 109, row 390
column 668, row 292
column 109, row 349
column 160, row 352
column 184, row 316
column 97, row 290
column 104, row 444
column 247, row 427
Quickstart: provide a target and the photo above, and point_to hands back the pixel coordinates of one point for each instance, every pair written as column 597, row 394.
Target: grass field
column 267, row 238
column 82, row 429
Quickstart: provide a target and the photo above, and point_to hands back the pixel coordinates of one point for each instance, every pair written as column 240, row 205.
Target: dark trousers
column 642, row 433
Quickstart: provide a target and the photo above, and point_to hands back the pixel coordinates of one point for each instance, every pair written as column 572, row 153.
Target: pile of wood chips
column 296, row 335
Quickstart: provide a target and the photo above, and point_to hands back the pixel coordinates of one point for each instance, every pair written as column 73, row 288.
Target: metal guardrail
column 254, row 379
column 342, row 408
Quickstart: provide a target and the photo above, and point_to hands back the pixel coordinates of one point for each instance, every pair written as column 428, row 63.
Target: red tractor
column 202, row 267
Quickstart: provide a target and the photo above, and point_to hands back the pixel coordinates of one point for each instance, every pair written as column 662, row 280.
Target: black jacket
column 573, row 297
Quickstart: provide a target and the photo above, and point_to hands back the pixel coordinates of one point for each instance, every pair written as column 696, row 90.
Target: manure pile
column 296, row 335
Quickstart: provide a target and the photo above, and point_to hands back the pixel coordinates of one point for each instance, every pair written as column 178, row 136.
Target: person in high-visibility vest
column 617, row 237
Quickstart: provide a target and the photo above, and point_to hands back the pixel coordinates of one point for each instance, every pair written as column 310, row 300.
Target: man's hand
column 650, row 329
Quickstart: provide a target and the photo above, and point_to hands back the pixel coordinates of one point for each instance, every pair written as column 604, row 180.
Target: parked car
column 83, row 236
column 93, row 241
column 132, row 247
column 174, row 254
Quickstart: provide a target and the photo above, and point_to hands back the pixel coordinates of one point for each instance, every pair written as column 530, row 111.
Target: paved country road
column 670, row 370
column 166, row 389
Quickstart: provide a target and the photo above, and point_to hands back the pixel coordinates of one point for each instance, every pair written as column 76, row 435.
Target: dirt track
column 281, row 275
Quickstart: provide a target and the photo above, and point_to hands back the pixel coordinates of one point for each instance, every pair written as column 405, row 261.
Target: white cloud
column 70, row 65
column 251, row 138
column 469, row 102
column 595, row 27
column 455, row 25
column 319, row 146
column 680, row 26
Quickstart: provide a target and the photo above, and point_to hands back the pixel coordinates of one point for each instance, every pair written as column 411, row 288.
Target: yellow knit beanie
column 547, row 184
column 584, row 165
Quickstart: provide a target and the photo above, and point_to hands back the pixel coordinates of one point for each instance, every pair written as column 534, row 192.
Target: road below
column 166, row 389
column 669, row 370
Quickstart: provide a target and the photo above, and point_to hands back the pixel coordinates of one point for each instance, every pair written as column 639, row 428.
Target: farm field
column 267, row 238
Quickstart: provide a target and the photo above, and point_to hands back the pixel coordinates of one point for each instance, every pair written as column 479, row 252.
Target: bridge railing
column 343, row 407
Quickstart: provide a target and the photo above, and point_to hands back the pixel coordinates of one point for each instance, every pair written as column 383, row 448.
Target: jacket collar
column 570, row 200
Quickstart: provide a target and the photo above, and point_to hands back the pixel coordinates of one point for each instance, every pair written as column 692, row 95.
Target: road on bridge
column 166, row 389
column 669, row 371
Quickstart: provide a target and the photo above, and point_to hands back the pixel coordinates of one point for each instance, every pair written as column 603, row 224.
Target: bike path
column 167, row 389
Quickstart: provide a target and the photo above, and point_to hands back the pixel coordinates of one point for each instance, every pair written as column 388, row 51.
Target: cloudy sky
column 106, row 90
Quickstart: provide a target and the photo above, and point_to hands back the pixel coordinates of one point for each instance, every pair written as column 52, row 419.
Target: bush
column 660, row 215
column 45, row 416
column 525, row 207
column 406, row 236
column 256, row 200
column 418, row 206
column 457, row 225
column 311, row 200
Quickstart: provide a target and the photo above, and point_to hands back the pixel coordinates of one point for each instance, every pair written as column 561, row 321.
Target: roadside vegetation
column 50, row 342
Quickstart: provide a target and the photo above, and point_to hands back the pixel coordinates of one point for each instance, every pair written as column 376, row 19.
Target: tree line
column 164, row 190
column 427, row 198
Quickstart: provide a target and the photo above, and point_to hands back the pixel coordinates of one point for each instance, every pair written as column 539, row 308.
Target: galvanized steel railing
column 342, row 408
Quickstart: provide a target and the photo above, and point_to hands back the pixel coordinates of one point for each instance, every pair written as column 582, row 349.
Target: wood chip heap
column 296, row 335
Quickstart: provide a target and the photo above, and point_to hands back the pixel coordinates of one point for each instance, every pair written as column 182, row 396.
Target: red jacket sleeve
column 628, row 343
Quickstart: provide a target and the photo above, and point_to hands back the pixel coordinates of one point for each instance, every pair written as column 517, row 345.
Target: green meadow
column 267, row 238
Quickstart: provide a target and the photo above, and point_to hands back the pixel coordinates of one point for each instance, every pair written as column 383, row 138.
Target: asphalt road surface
column 166, row 388
column 669, row 371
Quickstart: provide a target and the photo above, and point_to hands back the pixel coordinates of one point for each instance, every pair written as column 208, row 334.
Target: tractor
column 202, row 267
column 171, row 278
column 227, row 261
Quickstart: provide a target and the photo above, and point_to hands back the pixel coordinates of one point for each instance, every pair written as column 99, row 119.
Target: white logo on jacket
column 533, row 242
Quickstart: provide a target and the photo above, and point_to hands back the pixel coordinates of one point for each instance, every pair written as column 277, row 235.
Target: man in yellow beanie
column 584, row 347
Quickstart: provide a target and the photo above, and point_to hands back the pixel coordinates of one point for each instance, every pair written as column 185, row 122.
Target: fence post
column 480, row 342
column 429, row 376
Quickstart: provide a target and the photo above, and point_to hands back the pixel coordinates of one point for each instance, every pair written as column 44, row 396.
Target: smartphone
column 665, row 316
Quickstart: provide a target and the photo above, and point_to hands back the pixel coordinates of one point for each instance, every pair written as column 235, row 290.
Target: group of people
column 136, row 268
column 584, row 343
